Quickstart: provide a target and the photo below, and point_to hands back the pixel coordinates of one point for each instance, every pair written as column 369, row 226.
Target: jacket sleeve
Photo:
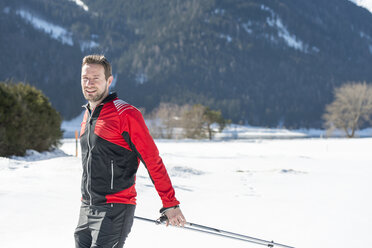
column 144, row 145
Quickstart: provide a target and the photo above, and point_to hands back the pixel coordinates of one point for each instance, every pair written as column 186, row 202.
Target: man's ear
column 110, row 80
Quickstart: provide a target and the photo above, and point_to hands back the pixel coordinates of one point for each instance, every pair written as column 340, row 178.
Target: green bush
column 27, row 120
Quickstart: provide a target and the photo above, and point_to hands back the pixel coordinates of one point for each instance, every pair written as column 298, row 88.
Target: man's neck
column 93, row 105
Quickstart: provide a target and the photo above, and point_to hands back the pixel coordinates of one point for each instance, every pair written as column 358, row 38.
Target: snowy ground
column 308, row 193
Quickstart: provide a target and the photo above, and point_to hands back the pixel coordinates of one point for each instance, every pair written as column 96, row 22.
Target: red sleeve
column 149, row 155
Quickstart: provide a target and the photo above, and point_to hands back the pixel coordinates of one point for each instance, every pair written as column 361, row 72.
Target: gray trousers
column 104, row 226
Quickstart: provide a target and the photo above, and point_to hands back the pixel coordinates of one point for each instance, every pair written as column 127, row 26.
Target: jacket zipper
column 89, row 158
column 89, row 155
column 112, row 174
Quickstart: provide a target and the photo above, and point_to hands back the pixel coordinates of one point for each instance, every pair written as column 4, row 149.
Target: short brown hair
column 99, row 60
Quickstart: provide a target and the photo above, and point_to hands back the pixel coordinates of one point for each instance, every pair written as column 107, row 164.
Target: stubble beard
column 97, row 97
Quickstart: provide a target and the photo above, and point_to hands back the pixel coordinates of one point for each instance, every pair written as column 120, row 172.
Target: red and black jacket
column 114, row 139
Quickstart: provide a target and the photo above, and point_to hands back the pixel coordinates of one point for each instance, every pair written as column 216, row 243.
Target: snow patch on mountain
column 283, row 32
column 81, row 4
column 273, row 21
column 363, row 3
column 219, row 11
column 227, row 37
column 141, row 78
column 369, row 40
column 290, row 39
column 248, row 27
column 87, row 45
column 56, row 32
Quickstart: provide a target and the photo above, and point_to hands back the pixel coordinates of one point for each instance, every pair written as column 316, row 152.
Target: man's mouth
column 90, row 91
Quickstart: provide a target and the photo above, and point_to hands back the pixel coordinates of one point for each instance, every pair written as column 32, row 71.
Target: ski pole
column 217, row 232
column 158, row 222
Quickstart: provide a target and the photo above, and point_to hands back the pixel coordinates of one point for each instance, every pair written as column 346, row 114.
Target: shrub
column 27, row 120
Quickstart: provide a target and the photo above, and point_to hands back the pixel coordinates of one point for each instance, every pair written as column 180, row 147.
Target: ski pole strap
column 163, row 210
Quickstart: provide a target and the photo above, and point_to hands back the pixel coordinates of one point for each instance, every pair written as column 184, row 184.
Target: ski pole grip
column 162, row 219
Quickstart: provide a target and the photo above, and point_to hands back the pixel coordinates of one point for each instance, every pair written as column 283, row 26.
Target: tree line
column 350, row 110
column 28, row 120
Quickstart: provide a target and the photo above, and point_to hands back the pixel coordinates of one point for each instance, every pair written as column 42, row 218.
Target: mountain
column 262, row 62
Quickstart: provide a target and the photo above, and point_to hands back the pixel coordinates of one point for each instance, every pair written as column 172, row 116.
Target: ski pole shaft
column 266, row 242
column 227, row 236
column 188, row 227
column 218, row 232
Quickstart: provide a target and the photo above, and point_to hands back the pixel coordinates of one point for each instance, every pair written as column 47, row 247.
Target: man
column 114, row 139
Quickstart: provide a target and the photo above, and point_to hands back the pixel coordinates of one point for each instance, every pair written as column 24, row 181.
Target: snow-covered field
column 307, row 193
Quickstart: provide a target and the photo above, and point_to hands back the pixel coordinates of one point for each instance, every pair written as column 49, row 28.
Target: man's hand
column 175, row 217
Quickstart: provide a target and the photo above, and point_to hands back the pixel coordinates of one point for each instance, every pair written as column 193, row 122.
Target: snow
column 141, row 78
column 55, row 31
column 290, row 39
column 363, row 3
column 248, row 132
column 247, row 27
column 301, row 192
column 234, row 131
column 69, row 127
column 227, row 37
column 368, row 39
column 81, row 4
column 283, row 32
column 219, row 11
column 32, row 155
column 86, row 45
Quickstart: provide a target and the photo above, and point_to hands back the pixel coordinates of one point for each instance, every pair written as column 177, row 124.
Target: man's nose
column 88, row 82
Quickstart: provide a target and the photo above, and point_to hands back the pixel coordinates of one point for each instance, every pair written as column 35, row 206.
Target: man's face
column 94, row 85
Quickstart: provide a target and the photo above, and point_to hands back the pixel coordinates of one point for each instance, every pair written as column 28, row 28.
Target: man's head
column 96, row 78
column 99, row 60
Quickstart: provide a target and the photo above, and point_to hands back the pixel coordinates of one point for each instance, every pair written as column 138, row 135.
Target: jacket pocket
column 112, row 174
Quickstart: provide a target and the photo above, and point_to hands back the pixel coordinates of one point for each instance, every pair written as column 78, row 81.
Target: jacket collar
column 110, row 97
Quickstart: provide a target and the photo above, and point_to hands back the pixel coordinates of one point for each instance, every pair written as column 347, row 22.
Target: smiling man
column 114, row 139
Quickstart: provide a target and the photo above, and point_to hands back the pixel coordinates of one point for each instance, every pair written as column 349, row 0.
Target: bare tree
column 351, row 108
column 193, row 122
column 165, row 119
